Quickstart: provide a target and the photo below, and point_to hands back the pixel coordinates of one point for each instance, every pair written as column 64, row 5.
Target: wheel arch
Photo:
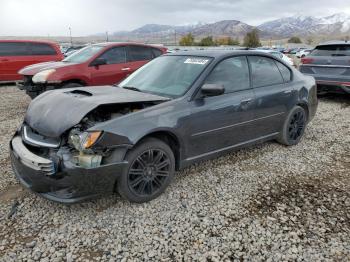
column 74, row 80
column 170, row 139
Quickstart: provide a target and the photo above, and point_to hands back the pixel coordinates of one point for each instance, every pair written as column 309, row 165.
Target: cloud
column 54, row 17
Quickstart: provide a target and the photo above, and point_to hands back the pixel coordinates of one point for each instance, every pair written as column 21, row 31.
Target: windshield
column 169, row 76
column 84, row 54
column 331, row 50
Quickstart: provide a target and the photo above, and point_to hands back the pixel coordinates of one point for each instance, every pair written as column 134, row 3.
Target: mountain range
column 297, row 25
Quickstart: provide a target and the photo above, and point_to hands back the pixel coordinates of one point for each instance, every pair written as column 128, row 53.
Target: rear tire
column 293, row 127
column 150, row 171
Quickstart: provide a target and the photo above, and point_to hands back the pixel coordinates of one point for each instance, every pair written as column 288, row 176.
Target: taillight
column 306, row 60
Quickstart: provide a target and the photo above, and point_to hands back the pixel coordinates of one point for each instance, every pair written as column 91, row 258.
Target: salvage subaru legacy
column 178, row 109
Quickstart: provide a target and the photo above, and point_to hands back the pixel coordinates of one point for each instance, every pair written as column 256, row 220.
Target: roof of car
column 217, row 53
column 27, row 41
column 335, row 43
column 124, row 43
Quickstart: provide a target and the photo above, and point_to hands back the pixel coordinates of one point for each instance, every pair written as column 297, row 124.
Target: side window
column 264, row 71
column 41, row 49
column 232, row 73
column 115, row 55
column 140, row 53
column 286, row 74
column 156, row 52
column 13, row 49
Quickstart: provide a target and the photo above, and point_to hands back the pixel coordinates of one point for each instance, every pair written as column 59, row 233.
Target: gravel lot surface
column 269, row 202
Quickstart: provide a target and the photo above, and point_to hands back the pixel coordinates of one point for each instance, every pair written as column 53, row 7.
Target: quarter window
column 232, row 73
column 116, row 55
column 286, row 74
column 264, row 71
column 41, row 49
column 140, row 53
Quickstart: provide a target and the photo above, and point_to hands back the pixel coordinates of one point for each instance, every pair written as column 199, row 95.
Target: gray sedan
column 177, row 110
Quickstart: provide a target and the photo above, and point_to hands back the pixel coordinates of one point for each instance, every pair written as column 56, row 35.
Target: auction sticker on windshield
column 196, row 61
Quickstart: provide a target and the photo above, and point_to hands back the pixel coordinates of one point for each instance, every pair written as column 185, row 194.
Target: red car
column 98, row 64
column 16, row 54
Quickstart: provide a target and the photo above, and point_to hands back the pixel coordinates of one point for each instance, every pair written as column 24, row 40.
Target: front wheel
column 293, row 127
column 151, row 169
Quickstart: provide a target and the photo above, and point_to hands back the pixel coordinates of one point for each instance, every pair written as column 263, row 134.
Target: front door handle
column 246, row 101
column 126, row 69
column 4, row 60
column 287, row 92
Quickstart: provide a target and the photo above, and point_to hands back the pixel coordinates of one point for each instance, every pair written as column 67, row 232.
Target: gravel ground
column 269, row 202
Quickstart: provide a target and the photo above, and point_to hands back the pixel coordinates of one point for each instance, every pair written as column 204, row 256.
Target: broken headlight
column 85, row 140
column 42, row 76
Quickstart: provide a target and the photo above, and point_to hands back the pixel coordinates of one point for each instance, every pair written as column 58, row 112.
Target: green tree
column 207, row 41
column 227, row 41
column 295, row 40
column 187, row 40
column 252, row 39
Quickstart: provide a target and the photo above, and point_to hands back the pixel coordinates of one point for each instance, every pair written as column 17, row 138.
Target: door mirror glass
column 98, row 61
column 212, row 90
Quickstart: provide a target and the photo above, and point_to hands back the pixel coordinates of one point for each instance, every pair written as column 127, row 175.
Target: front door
column 223, row 121
column 114, row 71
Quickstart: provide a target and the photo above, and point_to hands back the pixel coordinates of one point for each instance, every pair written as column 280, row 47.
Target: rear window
column 140, row 53
column 41, row 49
column 157, row 52
column 13, row 49
column 331, row 50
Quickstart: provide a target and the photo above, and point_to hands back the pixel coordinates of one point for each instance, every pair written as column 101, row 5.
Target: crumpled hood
column 33, row 69
column 54, row 112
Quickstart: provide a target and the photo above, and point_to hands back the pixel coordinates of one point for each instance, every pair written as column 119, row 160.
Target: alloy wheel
column 148, row 172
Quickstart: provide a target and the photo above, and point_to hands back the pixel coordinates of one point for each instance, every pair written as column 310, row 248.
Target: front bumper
column 64, row 183
column 34, row 90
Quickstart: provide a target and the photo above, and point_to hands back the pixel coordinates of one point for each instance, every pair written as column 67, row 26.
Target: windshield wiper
column 132, row 88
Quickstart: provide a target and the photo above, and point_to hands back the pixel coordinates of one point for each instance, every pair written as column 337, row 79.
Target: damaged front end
column 58, row 154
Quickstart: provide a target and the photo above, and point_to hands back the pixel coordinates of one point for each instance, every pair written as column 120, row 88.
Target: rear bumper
column 67, row 183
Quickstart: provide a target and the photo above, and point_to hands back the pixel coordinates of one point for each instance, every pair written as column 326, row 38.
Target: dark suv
column 329, row 64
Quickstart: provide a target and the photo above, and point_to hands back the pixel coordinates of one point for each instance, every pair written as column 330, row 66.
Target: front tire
column 293, row 127
column 150, row 171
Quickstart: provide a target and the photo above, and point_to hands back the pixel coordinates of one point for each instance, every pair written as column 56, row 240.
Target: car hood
column 54, row 112
column 33, row 69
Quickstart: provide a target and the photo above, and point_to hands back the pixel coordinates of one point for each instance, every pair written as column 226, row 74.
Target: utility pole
column 106, row 36
column 70, row 35
column 175, row 44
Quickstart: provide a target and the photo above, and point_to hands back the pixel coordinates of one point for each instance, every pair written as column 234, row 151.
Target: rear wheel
column 293, row 127
column 151, row 169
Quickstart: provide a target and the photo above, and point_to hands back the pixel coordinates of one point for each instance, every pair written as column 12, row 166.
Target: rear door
column 274, row 93
column 13, row 57
column 42, row 52
column 139, row 55
column 114, row 71
column 222, row 121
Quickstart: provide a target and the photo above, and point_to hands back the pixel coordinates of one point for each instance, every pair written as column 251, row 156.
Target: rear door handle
column 4, row 60
column 287, row 92
column 126, row 69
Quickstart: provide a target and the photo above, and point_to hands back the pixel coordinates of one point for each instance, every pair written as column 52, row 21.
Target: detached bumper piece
column 30, row 160
column 64, row 182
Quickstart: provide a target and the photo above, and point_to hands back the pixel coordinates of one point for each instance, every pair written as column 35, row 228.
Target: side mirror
column 212, row 90
column 98, row 62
